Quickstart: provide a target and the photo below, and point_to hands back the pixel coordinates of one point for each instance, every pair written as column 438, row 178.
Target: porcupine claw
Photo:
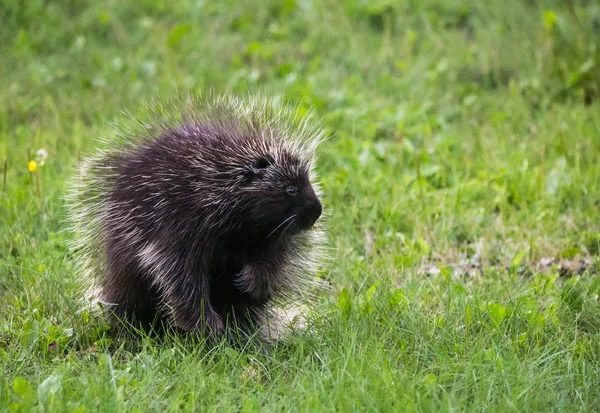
column 215, row 324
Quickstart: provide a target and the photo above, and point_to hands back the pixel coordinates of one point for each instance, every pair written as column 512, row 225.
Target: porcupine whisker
column 279, row 226
column 287, row 227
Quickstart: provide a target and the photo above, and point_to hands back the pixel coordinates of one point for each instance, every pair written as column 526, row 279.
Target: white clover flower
column 40, row 156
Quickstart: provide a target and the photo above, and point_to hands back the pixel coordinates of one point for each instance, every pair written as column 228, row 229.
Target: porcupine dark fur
column 205, row 221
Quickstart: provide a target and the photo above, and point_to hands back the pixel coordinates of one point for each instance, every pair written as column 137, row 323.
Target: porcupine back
column 168, row 182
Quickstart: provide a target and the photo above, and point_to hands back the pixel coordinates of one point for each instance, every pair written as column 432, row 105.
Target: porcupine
column 203, row 222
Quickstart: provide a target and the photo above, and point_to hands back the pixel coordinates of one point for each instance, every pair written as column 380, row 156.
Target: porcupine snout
column 312, row 211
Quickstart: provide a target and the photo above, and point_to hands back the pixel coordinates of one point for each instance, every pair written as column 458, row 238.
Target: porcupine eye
column 292, row 190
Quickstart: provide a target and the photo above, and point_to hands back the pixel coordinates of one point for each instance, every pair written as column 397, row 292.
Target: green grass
column 464, row 151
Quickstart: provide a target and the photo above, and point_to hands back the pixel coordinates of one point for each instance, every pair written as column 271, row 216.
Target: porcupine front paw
column 255, row 281
column 207, row 322
column 214, row 324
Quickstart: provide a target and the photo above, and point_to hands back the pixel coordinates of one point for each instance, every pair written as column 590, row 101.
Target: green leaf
column 569, row 252
column 345, row 302
column 587, row 66
column 422, row 246
column 287, row 7
column 430, row 378
column 177, row 33
column 497, row 312
column 22, row 388
column 231, row 354
column 518, row 259
column 549, row 19
column 398, row 297
column 371, row 291
column 468, row 314
column 49, row 387
column 254, row 48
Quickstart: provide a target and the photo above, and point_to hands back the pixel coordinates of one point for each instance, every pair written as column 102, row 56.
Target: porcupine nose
column 313, row 212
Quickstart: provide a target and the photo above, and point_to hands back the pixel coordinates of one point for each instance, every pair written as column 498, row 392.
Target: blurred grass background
column 461, row 177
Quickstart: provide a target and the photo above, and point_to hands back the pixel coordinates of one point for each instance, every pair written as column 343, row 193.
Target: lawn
column 461, row 174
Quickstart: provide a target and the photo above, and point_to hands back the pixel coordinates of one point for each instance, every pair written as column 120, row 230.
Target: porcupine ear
column 262, row 162
column 254, row 169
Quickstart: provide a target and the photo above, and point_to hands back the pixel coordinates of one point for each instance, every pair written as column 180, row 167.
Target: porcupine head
column 205, row 220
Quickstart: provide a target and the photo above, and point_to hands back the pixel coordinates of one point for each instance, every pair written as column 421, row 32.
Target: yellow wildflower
column 33, row 166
